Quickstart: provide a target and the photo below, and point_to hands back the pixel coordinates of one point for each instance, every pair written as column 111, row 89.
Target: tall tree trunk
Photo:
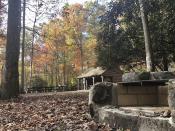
column 80, row 47
column 82, row 60
column 56, row 75
column 31, row 56
column 148, row 49
column 165, row 63
column 52, row 75
column 64, row 69
column 11, row 83
column 23, row 42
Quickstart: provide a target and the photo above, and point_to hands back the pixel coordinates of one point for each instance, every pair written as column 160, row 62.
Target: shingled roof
column 92, row 72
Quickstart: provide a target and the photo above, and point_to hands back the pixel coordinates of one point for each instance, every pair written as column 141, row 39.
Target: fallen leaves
column 57, row 111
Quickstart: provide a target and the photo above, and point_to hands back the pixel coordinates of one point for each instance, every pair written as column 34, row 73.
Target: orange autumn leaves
column 63, row 41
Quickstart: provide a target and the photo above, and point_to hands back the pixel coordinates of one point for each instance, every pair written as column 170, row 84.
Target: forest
column 58, row 41
column 49, row 43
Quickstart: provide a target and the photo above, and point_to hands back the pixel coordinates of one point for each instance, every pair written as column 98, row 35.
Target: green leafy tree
column 162, row 26
column 124, row 18
column 117, row 42
column 94, row 11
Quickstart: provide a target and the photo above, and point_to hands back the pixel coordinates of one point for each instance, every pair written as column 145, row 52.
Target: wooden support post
column 84, row 83
column 93, row 78
column 78, row 84
column 102, row 78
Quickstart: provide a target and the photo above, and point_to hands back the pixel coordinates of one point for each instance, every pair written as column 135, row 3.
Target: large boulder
column 101, row 94
column 140, row 76
column 163, row 75
column 135, row 76
column 171, row 94
column 171, row 98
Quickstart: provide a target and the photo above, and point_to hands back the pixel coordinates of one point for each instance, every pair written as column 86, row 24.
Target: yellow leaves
column 91, row 43
column 70, row 41
column 64, row 36
column 2, row 40
column 89, row 54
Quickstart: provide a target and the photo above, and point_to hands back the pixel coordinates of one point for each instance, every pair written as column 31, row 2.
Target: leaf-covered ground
column 52, row 112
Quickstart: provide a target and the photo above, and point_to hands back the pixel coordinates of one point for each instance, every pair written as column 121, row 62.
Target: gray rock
column 138, row 76
column 163, row 75
column 171, row 98
column 129, row 121
column 167, row 113
column 135, row 76
column 171, row 94
column 102, row 94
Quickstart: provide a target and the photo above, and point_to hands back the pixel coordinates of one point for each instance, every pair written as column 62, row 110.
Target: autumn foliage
column 67, row 48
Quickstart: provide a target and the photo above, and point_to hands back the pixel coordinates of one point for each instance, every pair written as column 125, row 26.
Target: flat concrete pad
column 136, row 118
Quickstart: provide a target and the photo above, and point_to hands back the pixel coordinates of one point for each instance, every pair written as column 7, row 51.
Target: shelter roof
column 92, row 72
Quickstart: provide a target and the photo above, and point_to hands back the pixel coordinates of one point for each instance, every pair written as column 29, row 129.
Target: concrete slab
column 120, row 118
column 147, row 111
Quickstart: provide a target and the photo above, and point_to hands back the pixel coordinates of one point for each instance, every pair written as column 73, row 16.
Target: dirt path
column 64, row 111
